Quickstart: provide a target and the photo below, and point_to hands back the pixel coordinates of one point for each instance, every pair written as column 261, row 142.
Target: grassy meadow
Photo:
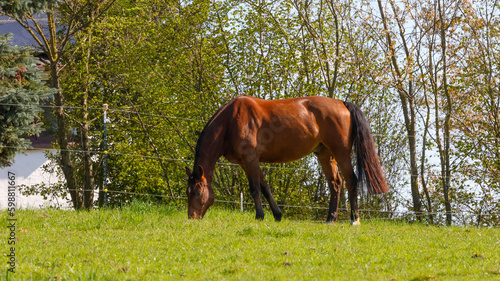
column 147, row 242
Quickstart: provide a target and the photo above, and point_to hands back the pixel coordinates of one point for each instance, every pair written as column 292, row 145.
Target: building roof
column 21, row 36
column 41, row 142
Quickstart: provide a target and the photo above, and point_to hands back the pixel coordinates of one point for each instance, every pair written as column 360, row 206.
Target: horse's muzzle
column 194, row 215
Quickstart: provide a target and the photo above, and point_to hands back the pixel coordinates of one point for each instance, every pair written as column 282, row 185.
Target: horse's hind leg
column 329, row 166
column 352, row 187
column 342, row 155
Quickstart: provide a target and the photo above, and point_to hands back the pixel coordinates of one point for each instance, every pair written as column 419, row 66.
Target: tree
column 21, row 91
column 477, row 113
column 152, row 62
column 164, row 69
column 320, row 31
column 404, row 84
column 63, row 20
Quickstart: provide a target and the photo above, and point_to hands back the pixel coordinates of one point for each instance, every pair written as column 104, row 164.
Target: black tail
column 369, row 168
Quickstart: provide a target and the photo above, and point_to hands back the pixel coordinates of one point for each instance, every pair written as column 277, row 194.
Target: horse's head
column 199, row 193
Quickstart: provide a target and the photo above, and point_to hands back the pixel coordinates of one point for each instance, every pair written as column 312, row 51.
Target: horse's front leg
column 252, row 172
column 266, row 190
column 258, row 186
column 256, row 195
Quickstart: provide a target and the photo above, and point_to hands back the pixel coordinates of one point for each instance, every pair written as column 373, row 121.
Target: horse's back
column 324, row 106
column 283, row 130
column 302, row 111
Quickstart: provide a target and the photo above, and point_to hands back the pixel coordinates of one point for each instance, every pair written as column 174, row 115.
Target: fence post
column 104, row 184
column 241, row 201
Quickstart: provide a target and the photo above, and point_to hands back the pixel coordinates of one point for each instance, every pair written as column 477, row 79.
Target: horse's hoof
column 332, row 217
column 355, row 223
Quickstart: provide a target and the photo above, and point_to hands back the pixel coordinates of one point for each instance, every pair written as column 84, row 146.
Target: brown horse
column 248, row 130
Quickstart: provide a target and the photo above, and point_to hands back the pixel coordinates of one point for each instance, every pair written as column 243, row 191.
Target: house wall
column 27, row 169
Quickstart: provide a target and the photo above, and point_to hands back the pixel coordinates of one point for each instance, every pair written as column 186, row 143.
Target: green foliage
column 21, row 90
column 164, row 67
column 143, row 241
column 20, row 7
column 158, row 66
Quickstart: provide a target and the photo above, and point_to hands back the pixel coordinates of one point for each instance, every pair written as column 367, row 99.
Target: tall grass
column 148, row 242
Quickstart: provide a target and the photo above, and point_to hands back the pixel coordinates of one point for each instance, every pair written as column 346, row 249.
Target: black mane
column 202, row 134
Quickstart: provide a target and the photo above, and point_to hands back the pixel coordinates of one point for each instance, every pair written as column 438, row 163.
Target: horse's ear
column 199, row 172
column 188, row 172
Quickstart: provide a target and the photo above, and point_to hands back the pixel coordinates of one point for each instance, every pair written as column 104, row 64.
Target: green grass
column 144, row 242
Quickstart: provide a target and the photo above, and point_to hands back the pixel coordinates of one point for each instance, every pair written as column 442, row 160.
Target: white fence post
column 241, row 201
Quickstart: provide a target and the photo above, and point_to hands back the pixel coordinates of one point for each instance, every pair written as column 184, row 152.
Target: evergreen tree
column 20, row 93
column 21, row 7
column 54, row 25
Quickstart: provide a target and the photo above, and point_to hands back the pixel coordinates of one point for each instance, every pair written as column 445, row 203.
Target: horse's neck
column 211, row 146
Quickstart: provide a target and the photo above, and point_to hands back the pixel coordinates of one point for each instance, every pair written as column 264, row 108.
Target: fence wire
column 465, row 216
column 127, row 111
column 189, row 119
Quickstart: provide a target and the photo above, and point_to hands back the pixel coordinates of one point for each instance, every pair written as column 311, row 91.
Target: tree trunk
column 408, row 105
column 445, row 173
column 422, row 163
column 88, row 176
column 65, row 160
